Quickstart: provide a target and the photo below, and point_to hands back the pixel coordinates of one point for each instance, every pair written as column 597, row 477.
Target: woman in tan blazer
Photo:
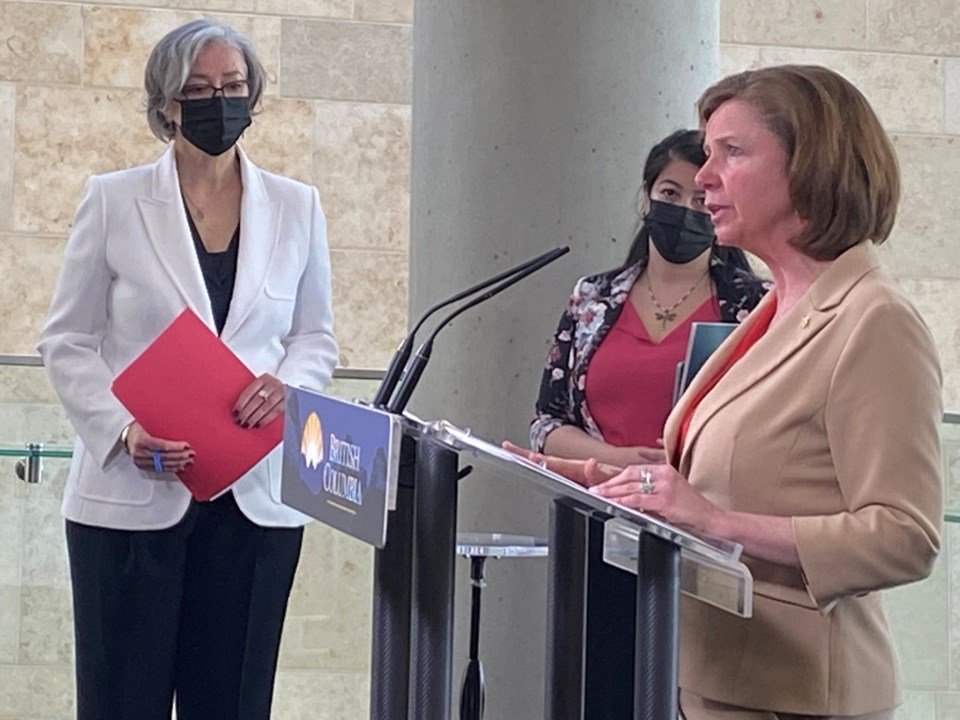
column 811, row 436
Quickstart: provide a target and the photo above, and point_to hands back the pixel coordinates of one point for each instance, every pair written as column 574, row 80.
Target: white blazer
column 129, row 269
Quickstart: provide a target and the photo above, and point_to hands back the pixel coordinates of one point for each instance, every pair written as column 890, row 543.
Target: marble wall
column 337, row 115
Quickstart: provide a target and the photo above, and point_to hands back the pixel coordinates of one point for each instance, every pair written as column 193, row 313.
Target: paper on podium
column 184, row 387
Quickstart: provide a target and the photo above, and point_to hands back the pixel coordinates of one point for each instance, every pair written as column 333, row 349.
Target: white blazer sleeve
column 77, row 321
column 311, row 349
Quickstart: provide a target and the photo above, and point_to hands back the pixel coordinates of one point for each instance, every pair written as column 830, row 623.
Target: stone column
column 531, row 121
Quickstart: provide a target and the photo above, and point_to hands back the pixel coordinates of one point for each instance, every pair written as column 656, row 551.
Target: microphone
column 399, row 360
column 419, row 363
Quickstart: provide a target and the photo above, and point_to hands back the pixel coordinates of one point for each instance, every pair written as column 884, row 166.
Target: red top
column 756, row 331
column 629, row 382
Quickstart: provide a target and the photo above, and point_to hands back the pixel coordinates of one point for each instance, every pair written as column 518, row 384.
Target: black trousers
column 193, row 612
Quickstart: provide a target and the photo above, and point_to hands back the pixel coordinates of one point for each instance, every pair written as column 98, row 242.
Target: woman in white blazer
column 173, row 597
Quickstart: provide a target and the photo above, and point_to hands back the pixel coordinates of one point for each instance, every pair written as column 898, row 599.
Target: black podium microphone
column 399, row 360
column 419, row 362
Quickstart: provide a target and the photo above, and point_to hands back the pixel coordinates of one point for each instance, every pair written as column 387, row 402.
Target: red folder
column 184, row 387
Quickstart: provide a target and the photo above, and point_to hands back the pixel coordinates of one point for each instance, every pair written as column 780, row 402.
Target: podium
column 590, row 538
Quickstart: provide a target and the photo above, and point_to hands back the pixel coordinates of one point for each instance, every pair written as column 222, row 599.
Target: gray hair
column 172, row 59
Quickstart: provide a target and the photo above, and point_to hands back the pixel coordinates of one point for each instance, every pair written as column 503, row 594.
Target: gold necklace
column 199, row 215
column 667, row 315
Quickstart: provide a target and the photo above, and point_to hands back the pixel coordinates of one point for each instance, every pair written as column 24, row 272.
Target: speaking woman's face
column 745, row 181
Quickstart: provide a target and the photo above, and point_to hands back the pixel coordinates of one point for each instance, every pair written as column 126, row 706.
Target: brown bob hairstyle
column 842, row 168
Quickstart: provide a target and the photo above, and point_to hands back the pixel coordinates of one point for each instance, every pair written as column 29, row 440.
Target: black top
column 219, row 272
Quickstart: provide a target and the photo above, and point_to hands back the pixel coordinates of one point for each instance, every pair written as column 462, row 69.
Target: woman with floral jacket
column 608, row 383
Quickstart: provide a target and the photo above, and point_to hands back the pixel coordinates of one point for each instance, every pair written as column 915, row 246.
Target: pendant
column 665, row 316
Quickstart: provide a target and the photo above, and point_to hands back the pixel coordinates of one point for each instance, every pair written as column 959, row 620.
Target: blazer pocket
column 120, row 483
column 283, row 276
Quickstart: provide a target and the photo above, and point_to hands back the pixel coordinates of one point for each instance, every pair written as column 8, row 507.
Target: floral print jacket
column 592, row 310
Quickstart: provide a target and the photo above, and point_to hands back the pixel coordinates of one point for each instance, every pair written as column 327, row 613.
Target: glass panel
column 950, row 443
column 710, row 571
column 723, row 583
column 500, row 545
column 36, row 616
column 506, row 465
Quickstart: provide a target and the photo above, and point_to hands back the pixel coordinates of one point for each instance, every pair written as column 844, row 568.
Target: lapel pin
column 804, row 321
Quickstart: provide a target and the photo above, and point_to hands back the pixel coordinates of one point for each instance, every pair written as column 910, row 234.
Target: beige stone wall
column 905, row 57
column 336, row 115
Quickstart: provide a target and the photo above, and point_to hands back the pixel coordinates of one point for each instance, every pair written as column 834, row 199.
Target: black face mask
column 679, row 234
column 214, row 124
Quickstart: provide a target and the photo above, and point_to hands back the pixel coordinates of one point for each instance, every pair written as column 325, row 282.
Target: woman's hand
column 638, row 455
column 174, row 456
column 583, row 472
column 260, row 403
column 569, row 441
column 661, row 490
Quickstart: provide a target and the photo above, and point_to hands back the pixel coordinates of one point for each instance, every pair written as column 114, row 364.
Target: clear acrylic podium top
column 710, row 570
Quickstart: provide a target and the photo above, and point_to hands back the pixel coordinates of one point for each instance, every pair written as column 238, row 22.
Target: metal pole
column 434, row 554
column 656, row 666
column 609, row 634
column 390, row 657
column 472, row 693
column 565, row 612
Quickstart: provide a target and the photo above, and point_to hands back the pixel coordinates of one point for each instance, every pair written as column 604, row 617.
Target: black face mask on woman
column 678, row 233
column 214, row 124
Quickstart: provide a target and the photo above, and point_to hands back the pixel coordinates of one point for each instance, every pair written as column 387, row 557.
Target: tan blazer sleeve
column 882, row 416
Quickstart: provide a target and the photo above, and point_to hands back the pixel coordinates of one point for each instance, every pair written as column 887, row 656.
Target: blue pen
column 157, row 461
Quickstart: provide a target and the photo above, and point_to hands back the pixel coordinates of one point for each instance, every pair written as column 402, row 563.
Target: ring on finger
column 263, row 394
column 646, row 487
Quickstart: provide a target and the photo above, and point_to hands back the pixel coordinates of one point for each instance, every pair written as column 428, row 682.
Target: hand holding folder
column 184, row 386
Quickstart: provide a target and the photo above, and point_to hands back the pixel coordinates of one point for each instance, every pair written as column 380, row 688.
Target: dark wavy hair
column 686, row 145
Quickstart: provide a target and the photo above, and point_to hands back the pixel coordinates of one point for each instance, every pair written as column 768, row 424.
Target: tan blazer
column 831, row 419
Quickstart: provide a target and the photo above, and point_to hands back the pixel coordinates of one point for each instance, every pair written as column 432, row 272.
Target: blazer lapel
column 166, row 224
column 796, row 329
column 259, row 234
